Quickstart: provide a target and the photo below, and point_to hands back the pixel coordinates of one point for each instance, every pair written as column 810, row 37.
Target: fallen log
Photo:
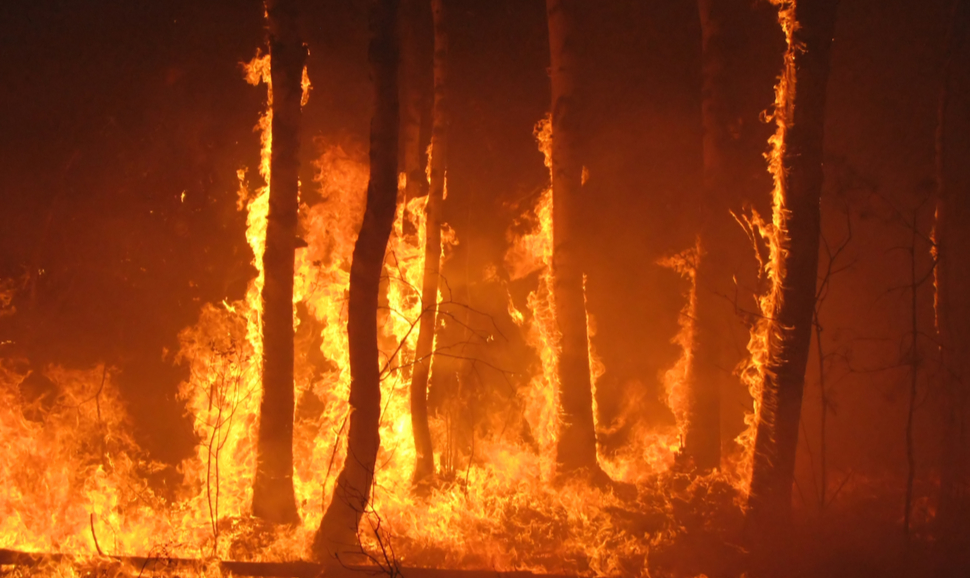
column 147, row 566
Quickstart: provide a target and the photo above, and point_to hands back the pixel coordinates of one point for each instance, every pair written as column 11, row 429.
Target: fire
column 658, row 447
column 596, row 366
column 676, row 378
column 322, row 282
column 503, row 511
column 70, row 459
column 773, row 236
column 528, row 253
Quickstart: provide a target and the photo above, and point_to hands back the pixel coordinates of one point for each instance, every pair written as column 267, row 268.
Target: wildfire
column 656, row 446
column 504, row 512
column 70, row 467
column 676, row 378
column 528, row 253
column 773, row 235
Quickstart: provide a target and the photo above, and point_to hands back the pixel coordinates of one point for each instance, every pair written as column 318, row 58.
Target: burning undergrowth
column 75, row 485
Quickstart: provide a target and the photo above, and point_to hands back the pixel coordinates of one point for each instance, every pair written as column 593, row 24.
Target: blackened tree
column 796, row 162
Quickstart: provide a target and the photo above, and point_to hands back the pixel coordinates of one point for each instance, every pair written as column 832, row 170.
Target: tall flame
column 774, row 236
column 533, row 252
column 676, row 379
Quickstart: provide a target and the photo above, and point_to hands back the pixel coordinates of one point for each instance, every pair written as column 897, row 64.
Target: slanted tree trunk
column 424, row 468
column 797, row 166
column 576, row 449
column 273, row 497
column 952, row 272
column 337, row 534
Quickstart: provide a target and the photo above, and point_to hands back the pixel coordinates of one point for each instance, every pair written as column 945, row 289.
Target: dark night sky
column 112, row 109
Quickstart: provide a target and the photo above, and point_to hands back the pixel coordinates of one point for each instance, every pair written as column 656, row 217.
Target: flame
column 532, row 252
column 659, row 446
column 676, row 379
column 528, row 253
column 305, row 85
column 774, row 236
column 596, row 366
column 499, row 511
column 69, row 456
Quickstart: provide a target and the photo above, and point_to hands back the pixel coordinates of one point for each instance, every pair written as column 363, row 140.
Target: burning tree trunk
column 702, row 436
column 951, row 272
column 273, row 497
column 424, row 468
column 796, row 163
column 576, row 449
column 338, row 529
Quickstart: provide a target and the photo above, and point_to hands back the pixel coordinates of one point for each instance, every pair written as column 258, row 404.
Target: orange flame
column 676, row 378
column 774, row 236
column 505, row 514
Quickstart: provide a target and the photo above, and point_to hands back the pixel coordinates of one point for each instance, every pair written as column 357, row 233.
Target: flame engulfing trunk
column 952, row 272
column 576, row 448
column 702, row 439
column 338, row 529
column 273, row 496
column 784, row 334
column 424, row 467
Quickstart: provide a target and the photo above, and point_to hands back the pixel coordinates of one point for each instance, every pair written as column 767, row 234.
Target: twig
column 95, row 536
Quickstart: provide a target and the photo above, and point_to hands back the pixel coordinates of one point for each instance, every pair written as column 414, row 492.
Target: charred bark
column 337, row 534
column 800, row 113
column 424, row 468
column 273, row 497
column 576, row 451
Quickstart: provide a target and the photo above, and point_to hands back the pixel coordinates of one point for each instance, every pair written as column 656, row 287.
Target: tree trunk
column 411, row 77
column 337, row 534
column 273, row 497
column 702, row 443
column 952, row 182
column 797, row 167
column 576, row 451
column 702, row 436
column 424, row 468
